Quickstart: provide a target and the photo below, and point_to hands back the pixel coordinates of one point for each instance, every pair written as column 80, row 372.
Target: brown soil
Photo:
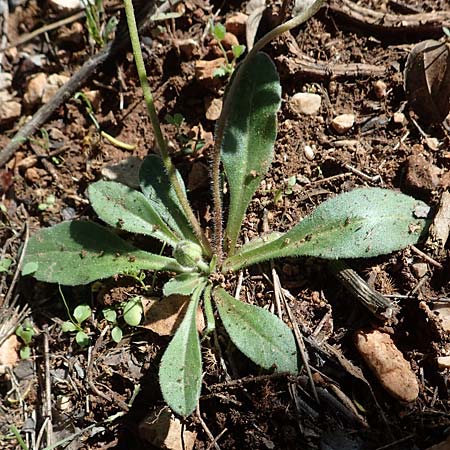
column 252, row 409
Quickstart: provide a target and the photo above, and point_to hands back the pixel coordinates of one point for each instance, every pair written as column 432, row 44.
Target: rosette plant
column 362, row 223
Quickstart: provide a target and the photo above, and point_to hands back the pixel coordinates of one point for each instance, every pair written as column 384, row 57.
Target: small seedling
column 132, row 316
column 74, row 325
column 49, row 202
column 365, row 222
column 188, row 144
column 219, row 31
column 26, row 333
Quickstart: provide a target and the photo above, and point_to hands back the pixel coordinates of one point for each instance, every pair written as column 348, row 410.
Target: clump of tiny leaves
column 362, row 223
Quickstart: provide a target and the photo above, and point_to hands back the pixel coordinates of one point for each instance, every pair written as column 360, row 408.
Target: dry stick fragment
column 391, row 25
column 440, row 228
column 427, row 258
column 377, row 304
column 120, row 42
column 295, row 62
column 206, row 429
column 48, row 391
column 297, row 333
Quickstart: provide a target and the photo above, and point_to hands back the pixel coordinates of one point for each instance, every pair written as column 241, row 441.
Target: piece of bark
column 440, row 228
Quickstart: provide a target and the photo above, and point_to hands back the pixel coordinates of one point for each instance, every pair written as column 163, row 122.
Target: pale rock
column 306, row 103
column 213, row 108
column 388, row 364
column 443, row 362
column 35, row 89
column 54, row 82
column 380, row 89
column 342, row 123
column 432, row 143
column 420, row 269
column 399, row 118
column 204, row 71
column 237, row 23
column 66, row 5
column 163, row 430
column 5, row 81
column 9, row 353
column 9, row 109
column 442, row 313
column 309, row 153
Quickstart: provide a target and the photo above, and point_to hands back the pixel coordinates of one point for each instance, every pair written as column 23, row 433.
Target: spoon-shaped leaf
column 73, row 253
column 358, row 224
column 155, row 185
column 247, row 146
column 257, row 333
column 180, row 373
column 127, row 209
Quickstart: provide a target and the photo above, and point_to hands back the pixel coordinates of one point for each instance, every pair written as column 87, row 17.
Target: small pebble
column 229, row 41
column 35, row 89
column 420, row 269
column 237, row 24
column 388, row 364
column 443, row 362
column 342, row 123
column 306, row 103
column 5, row 80
column 380, row 89
column 399, row 118
column 308, row 151
column 213, row 108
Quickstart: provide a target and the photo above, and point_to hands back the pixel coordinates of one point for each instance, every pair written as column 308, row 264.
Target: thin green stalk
column 163, row 150
column 221, row 123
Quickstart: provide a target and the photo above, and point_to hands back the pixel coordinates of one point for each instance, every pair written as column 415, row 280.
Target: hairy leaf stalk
column 221, row 125
column 162, row 146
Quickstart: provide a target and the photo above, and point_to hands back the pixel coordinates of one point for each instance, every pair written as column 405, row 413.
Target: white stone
column 342, row 123
column 399, row 118
column 309, row 153
column 380, row 89
column 443, row 362
column 213, row 108
column 5, row 80
column 306, row 103
column 66, row 5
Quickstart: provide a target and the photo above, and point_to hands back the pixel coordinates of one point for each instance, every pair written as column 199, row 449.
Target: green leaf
column 249, row 137
column 180, row 373
column 362, row 223
column 110, row 315
column 218, row 30
column 238, row 50
column 25, row 332
column 132, row 311
column 257, row 333
column 29, row 268
column 68, row 327
column 127, row 209
column 182, row 284
column 116, row 334
column 82, row 339
column 156, row 187
column 25, row 352
column 82, row 313
column 74, row 253
column 5, row 264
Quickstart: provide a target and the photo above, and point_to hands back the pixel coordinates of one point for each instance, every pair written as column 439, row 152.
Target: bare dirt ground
column 355, row 64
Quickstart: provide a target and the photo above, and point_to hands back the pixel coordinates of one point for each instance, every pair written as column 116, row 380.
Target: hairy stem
column 162, row 146
column 221, row 123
